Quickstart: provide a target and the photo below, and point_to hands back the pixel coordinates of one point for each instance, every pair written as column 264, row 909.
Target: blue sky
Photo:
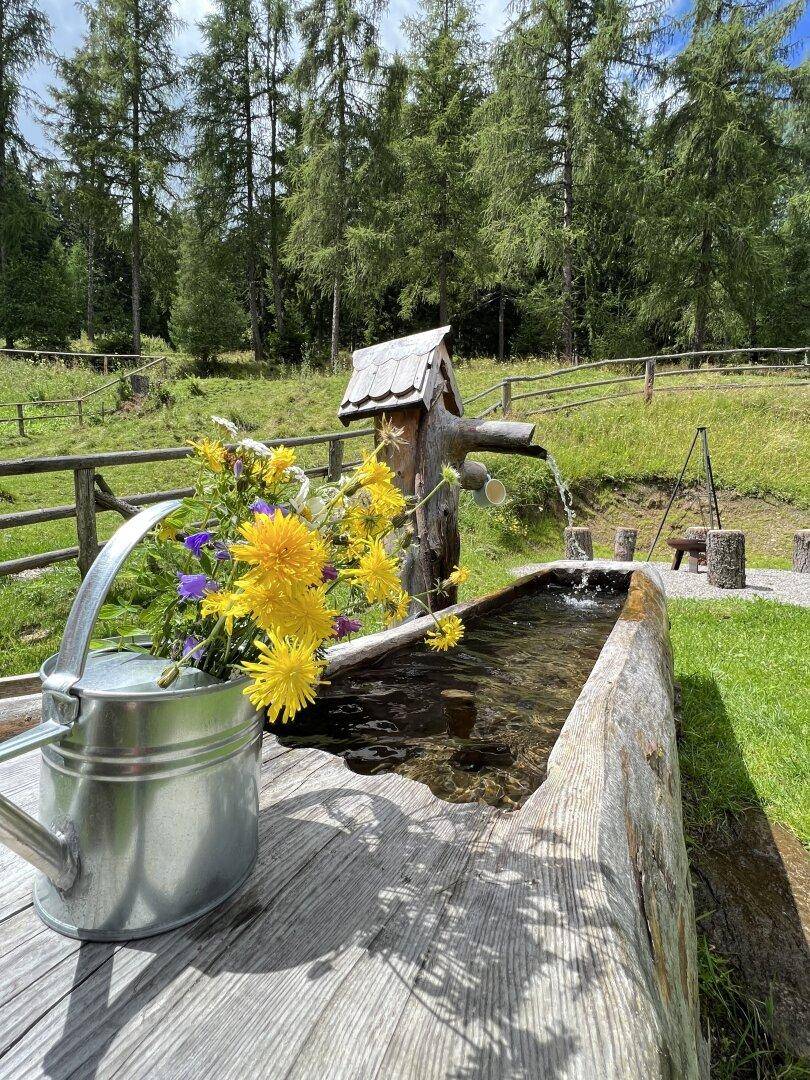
column 68, row 27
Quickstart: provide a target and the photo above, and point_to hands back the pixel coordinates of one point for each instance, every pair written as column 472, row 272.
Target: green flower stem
column 427, row 498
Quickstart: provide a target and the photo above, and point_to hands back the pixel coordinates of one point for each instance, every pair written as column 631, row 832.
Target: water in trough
column 475, row 724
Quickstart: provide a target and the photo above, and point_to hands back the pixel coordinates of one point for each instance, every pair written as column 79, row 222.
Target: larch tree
column 340, row 74
column 81, row 130
column 278, row 28
column 556, row 117
column 132, row 41
column 207, row 316
column 440, row 204
column 24, row 38
column 230, row 179
column 715, row 164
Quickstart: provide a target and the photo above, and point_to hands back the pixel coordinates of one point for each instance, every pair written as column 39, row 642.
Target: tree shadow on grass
column 751, row 877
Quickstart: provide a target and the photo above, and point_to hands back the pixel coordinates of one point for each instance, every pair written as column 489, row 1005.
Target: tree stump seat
column 694, row 546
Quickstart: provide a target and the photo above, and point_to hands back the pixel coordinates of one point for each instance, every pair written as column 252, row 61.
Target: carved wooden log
column 801, row 552
column 624, row 546
column 599, row 850
column 725, row 558
column 578, row 543
column 433, row 438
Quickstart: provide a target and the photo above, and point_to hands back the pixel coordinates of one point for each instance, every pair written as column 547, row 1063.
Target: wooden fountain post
column 410, row 381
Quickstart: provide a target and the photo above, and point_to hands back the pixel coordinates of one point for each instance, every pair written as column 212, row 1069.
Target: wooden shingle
column 399, row 374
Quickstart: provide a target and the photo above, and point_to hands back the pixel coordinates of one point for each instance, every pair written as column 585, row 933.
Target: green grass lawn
column 744, row 671
column 760, row 443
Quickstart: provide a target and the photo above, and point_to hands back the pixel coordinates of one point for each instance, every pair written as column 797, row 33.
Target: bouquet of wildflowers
column 257, row 572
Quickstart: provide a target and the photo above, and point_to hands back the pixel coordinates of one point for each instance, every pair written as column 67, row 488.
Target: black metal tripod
column 714, row 510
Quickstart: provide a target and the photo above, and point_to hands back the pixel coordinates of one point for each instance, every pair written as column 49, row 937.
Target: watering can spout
column 52, row 852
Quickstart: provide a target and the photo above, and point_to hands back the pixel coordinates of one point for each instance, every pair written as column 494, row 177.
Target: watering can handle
column 59, row 703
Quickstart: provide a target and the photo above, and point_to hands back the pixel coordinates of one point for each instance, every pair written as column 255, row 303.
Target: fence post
column 506, row 396
column 649, row 380
column 20, row 420
column 80, row 411
column 84, row 485
column 335, row 460
column 105, row 365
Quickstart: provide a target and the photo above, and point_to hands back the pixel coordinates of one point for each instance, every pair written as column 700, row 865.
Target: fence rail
column 92, row 493
column 78, row 403
column 648, row 377
column 74, row 359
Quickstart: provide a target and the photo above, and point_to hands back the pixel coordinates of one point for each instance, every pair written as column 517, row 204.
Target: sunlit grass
column 744, row 671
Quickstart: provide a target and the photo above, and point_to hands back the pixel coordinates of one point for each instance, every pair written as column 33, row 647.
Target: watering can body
column 148, row 811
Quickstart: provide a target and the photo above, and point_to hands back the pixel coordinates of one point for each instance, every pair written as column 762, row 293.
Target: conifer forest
column 603, row 178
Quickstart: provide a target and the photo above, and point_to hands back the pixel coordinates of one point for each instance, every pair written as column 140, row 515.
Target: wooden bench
column 693, row 547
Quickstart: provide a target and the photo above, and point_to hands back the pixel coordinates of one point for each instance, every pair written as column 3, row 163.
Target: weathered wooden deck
column 385, row 933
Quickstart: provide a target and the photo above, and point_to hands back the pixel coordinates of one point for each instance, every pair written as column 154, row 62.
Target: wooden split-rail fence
column 93, row 494
column 75, row 408
column 650, row 369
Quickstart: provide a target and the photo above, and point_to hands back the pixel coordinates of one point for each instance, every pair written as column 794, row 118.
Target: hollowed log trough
column 599, row 847
column 386, row 933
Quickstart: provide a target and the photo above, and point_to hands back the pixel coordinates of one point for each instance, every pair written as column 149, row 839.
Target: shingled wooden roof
column 399, row 374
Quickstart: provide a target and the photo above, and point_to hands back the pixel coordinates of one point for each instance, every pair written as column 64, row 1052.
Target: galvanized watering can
column 149, row 798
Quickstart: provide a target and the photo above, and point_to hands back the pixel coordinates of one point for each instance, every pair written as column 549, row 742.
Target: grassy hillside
column 621, row 460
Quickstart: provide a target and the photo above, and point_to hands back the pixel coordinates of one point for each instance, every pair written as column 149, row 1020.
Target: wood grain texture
column 385, row 933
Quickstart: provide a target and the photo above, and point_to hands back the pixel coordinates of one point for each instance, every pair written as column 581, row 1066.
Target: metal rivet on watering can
column 149, row 802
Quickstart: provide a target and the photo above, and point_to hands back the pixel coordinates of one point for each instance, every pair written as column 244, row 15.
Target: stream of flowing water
column 568, row 506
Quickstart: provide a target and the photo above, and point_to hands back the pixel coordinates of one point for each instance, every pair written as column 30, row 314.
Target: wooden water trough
column 386, row 933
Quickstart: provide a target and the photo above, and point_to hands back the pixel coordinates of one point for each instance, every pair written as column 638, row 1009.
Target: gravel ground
column 782, row 586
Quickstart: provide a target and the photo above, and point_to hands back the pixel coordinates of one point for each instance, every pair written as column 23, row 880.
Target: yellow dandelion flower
column 277, row 464
column 459, row 576
column 166, row 530
column 211, row 453
column 377, row 573
column 446, row 634
column 231, row 605
column 284, row 678
column 373, row 471
column 264, row 602
column 364, row 522
column 387, row 500
column 398, row 609
column 304, row 613
column 281, row 550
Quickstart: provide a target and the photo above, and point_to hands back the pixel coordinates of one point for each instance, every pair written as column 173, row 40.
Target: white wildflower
column 257, row 448
column 228, row 425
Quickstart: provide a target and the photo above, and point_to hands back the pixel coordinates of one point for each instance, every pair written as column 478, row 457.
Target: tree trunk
column 442, row 292
column 725, row 558
column 135, row 184
column 335, row 347
column 252, row 262
column 568, row 195
column 275, row 271
column 701, row 295
column 501, row 327
column 578, row 543
column 801, row 552
column 624, row 545
column 91, row 273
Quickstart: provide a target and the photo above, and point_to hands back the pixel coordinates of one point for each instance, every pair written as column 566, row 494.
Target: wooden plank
column 69, row 462
column 15, row 685
column 84, row 486
column 385, row 933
